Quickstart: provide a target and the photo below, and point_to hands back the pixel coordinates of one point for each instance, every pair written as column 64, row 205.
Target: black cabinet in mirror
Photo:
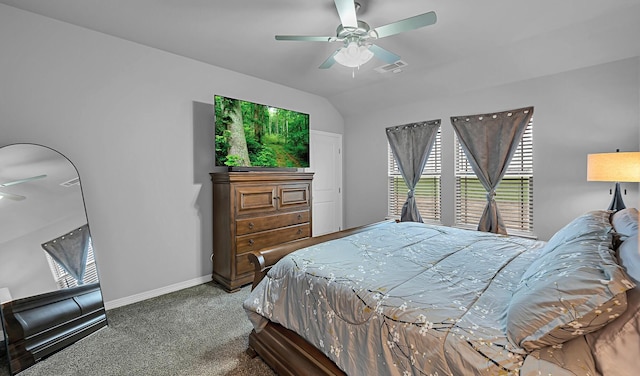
column 49, row 287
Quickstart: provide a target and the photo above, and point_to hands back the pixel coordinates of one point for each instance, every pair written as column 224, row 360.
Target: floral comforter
column 406, row 299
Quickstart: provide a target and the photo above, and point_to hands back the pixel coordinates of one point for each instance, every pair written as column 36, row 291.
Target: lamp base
column 616, row 203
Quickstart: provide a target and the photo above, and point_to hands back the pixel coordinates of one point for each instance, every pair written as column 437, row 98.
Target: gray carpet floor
column 200, row 330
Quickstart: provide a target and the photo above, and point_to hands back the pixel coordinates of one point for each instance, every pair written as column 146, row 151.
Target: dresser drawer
column 259, row 240
column 255, row 242
column 252, row 225
column 294, row 195
column 250, row 199
column 243, row 265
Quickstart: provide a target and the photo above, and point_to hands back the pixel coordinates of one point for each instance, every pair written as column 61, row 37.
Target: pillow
column 572, row 358
column 583, row 225
column 629, row 254
column 625, row 222
column 573, row 288
column 615, row 347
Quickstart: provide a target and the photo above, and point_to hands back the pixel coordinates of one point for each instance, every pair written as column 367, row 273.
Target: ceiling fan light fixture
column 353, row 55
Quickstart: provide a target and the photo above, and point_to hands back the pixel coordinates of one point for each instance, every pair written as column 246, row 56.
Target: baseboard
column 157, row 292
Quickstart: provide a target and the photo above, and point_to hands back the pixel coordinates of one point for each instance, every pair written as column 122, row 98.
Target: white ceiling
column 474, row 44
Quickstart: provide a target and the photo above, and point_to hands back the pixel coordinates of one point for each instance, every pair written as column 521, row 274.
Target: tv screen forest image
column 255, row 135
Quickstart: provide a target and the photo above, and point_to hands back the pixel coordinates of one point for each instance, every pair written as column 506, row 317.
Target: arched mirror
column 49, row 287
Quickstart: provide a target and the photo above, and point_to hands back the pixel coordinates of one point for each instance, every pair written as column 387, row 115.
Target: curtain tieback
column 410, row 193
column 491, row 196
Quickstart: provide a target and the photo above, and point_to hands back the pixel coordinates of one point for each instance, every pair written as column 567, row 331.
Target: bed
column 416, row 299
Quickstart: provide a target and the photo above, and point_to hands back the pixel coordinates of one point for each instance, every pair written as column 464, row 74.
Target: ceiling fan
column 15, row 197
column 358, row 36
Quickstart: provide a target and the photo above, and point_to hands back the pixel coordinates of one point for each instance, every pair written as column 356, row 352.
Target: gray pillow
column 591, row 222
column 629, row 254
column 615, row 347
column 574, row 288
column 625, row 222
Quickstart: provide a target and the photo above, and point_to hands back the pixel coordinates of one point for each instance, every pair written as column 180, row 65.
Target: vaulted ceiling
column 474, row 44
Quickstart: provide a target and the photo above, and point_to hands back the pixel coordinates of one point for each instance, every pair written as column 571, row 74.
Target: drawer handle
column 299, row 231
column 251, row 225
column 299, row 216
column 251, row 242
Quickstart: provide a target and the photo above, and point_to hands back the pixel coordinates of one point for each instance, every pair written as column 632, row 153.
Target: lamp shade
column 614, row 167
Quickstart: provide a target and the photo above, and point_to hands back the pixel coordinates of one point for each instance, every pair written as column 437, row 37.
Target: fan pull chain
column 353, row 72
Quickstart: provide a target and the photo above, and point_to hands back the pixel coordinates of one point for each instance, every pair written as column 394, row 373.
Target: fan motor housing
column 362, row 31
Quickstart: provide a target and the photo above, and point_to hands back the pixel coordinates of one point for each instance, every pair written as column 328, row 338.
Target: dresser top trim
column 226, row 177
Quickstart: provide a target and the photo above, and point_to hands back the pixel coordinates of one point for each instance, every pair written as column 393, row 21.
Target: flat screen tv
column 252, row 136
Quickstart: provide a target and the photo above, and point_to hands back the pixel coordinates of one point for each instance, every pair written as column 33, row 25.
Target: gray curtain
column 411, row 145
column 489, row 142
column 70, row 251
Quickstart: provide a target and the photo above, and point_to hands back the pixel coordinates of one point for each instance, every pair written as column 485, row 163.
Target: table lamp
column 614, row 167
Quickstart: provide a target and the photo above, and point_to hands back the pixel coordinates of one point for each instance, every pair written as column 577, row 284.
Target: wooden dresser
column 254, row 210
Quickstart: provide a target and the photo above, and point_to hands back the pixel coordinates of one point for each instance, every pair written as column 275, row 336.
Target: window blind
column 427, row 192
column 514, row 194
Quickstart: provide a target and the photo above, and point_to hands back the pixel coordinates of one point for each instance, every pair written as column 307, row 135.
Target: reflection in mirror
column 49, row 286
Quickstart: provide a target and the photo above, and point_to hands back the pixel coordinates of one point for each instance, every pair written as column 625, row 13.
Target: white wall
column 578, row 112
column 137, row 123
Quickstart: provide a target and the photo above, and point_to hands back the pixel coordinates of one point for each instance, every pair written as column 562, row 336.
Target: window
column 427, row 192
column 514, row 195
column 64, row 280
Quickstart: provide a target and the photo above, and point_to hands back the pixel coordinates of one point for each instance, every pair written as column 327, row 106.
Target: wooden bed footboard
column 287, row 353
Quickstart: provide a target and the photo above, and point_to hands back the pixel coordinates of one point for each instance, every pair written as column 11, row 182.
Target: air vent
column 71, row 183
column 391, row 67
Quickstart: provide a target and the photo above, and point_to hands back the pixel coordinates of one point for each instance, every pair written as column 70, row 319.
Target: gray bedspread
column 406, row 299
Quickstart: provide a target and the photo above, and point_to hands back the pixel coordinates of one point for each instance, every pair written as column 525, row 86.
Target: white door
column 325, row 153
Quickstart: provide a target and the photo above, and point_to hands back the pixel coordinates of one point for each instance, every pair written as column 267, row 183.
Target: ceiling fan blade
column 304, row 38
column 347, row 13
column 11, row 196
column 22, row 181
column 410, row 23
column 384, row 55
column 329, row 62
